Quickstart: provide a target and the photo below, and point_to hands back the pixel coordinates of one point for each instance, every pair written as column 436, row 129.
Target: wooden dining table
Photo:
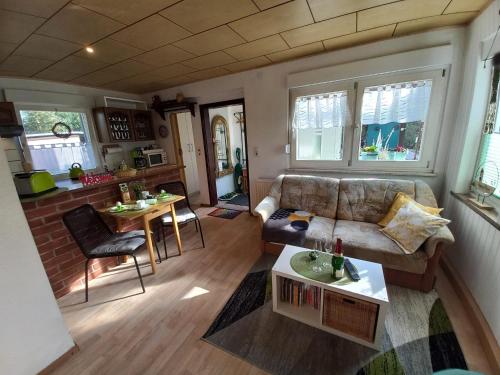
column 147, row 214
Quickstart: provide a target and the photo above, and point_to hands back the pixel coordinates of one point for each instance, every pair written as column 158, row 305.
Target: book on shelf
column 299, row 294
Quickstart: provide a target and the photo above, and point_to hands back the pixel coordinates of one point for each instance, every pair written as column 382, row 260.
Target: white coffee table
column 353, row 310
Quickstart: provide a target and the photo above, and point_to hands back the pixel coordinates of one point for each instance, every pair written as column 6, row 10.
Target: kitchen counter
column 70, row 185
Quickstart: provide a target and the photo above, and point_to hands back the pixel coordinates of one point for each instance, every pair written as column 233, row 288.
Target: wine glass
column 317, row 249
column 327, row 248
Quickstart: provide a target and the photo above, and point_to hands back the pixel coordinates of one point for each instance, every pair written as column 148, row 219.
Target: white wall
column 476, row 253
column 266, row 101
column 33, row 332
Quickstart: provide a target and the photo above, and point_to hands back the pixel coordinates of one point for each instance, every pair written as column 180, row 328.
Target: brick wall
column 61, row 257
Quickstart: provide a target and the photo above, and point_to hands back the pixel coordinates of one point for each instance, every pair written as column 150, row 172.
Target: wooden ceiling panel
column 25, row 66
column 361, row 37
column 322, row 30
column 53, row 74
column 256, row 62
column 324, row 9
column 466, row 6
column 125, row 12
column 409, row 27
column 398, row 12
column 210, row 41
column 165, row 55
column 293, row 53
column 43, row 8
column 275, row 20
column 198, row 16
column 79, row 25
column 144, row 45
column 175, row 81
column 44, row 47
column 266, row 4
column 6, row 49
column 208, row 73
column 173, row 70
column 80, row 65
column 15, row 27
column 258, row 47
column 110, row 51
column 114, row 72
column 210, row 60
column 153, row 32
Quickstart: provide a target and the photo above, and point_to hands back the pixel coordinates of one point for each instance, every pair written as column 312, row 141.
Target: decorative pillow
column 412, row 226
column 399, row 201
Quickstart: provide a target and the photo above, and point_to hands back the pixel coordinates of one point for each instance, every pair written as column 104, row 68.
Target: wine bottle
column 338, row 261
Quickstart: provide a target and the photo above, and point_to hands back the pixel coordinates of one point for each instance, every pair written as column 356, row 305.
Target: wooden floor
column 121, row 331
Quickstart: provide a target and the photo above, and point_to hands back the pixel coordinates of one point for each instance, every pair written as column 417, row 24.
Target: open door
column 225, row 141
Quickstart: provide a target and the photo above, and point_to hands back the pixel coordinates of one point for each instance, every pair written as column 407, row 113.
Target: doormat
column 418, row 336
column 239, row 200
column 224, row 213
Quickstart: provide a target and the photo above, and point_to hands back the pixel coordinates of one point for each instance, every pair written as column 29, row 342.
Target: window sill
column 491, row 216
column 362, row 172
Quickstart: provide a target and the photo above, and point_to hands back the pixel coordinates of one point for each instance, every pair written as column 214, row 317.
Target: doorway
column 224, row 135
column 185, row 152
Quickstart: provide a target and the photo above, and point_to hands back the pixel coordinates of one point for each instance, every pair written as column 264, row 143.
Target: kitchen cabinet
column 123, row 125
column 7, row 113
column 143, row 125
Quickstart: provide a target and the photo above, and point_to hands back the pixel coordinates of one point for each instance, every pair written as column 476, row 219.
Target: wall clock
column 163, row 130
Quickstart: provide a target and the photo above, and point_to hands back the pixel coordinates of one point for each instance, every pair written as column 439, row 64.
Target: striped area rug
column 418, row 338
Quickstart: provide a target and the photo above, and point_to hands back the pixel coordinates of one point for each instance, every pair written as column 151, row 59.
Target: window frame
column 347, row 86
column 494, row 200
column 89, row 130
column 432, row 127
column 355, row 88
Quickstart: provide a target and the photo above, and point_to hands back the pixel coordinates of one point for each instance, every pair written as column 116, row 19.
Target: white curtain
column 321, row 111
column 401, row 102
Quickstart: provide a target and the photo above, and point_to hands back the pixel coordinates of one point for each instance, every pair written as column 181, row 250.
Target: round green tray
column 303, row 265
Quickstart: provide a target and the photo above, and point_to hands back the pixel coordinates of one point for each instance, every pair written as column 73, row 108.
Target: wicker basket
column 131, row 172
column 350, row 315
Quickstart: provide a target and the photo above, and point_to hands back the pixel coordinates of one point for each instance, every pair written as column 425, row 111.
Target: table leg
column 149, row 243
column 176, row 229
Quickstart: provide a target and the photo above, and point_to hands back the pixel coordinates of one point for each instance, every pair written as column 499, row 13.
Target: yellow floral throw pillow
column 399, row 201
column 412, row 226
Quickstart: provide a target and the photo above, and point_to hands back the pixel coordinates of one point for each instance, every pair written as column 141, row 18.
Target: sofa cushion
column 320, row 229
column 279, row 230
column 369, row 200
column 318, row 195
column 365, row 241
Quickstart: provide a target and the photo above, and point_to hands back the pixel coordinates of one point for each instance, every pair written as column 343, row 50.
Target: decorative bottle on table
column 338, row 261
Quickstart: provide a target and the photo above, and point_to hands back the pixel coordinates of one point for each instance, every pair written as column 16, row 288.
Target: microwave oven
column 155, row 157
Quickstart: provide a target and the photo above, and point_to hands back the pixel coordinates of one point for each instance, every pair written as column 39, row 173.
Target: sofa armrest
column 443, row 236
column 266, row 208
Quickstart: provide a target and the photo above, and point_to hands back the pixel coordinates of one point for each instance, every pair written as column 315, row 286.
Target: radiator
column 261, row 189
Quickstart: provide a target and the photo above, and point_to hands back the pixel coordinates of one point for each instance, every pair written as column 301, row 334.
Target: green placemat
column 303, row 265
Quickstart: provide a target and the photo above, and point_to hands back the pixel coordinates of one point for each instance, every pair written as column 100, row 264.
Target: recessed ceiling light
column 89, row 49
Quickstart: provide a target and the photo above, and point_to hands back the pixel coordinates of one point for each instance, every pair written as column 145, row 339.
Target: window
column 46, row 151
column 321, row 120
column 397, row 123
column 392, row 121
column 489, row 154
